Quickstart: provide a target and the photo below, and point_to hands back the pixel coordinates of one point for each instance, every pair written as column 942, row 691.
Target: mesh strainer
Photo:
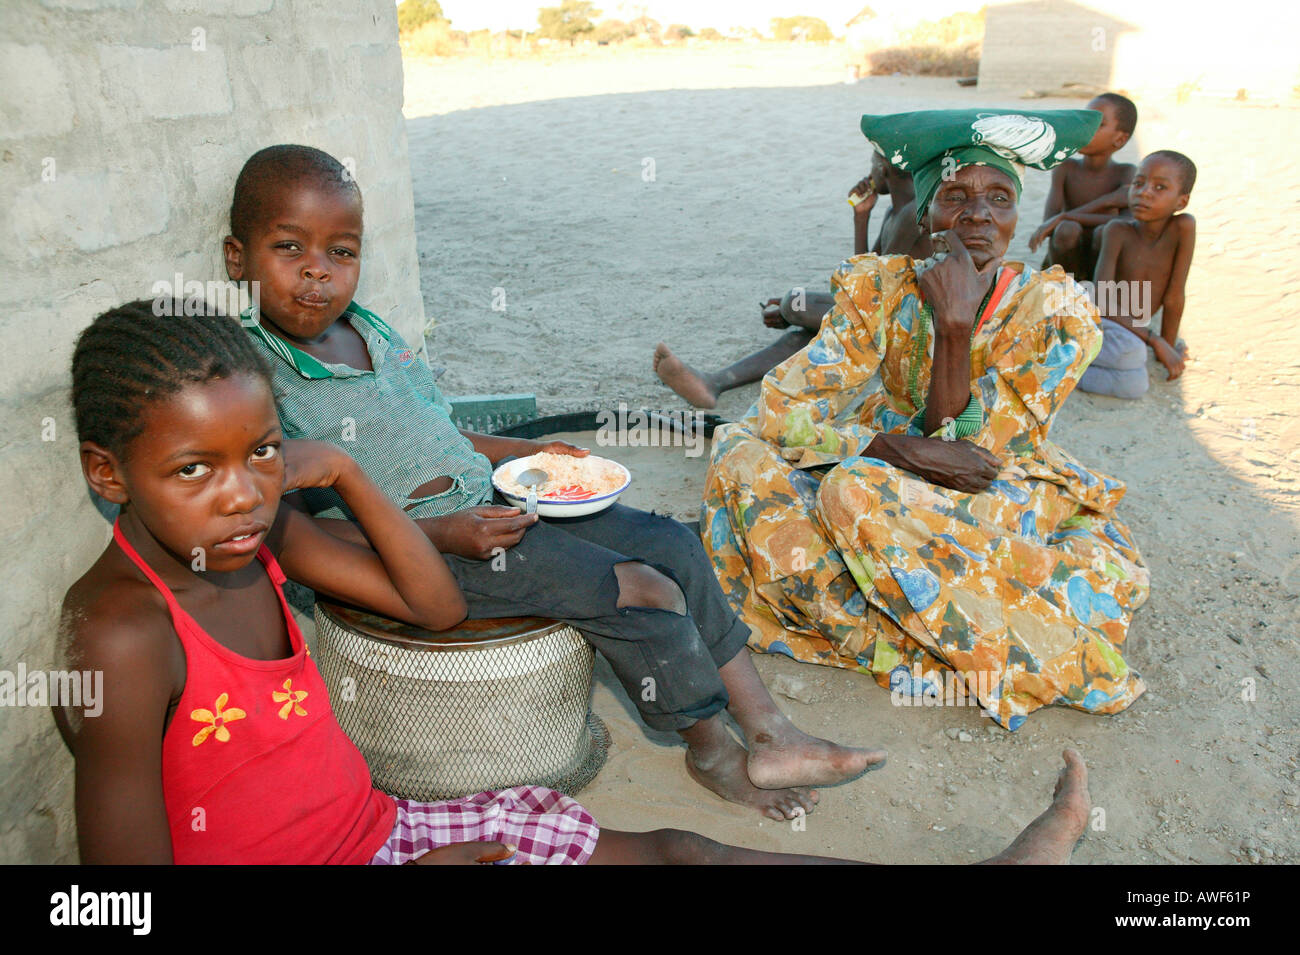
column 491, row 704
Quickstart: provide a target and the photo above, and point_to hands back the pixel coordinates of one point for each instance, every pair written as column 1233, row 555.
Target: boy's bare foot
column 1050, row 838
column 786, row 756
column 684, row 379
column 723, row 771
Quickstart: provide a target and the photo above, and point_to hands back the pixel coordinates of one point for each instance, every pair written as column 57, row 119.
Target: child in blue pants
column 636, row 585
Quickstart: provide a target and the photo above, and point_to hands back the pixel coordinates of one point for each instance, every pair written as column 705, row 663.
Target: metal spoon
column 532, row 479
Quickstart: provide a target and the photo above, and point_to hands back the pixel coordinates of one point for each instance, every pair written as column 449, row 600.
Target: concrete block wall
column 1045, row 44
column 1149, row 47
column 123, row 124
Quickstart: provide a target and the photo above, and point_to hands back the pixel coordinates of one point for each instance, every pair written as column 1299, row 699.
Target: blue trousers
column 1120, row 368
column 564, row 569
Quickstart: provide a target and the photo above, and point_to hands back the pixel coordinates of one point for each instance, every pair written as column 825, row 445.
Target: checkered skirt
column 548, row 827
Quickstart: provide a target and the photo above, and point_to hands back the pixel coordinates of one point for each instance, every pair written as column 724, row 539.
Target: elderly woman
column 892, row 502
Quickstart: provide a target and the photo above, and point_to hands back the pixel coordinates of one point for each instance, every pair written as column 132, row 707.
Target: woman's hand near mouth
column 954, row 288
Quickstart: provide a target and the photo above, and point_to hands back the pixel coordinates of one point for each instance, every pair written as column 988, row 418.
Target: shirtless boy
column 799, row 310
column 1088, row 191
column 1154, row 247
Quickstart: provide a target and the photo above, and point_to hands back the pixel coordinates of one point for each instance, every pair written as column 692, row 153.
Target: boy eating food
column 636, row 584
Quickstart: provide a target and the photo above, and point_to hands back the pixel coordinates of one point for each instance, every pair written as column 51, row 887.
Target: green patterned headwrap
column 935, row 142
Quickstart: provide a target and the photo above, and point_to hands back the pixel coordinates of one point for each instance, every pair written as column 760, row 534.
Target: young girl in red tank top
column 216, row 742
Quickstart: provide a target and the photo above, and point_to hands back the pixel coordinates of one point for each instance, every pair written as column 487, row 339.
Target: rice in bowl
column 569, row 478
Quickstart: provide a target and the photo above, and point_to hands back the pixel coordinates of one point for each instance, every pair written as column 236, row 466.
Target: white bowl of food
column 575, row 486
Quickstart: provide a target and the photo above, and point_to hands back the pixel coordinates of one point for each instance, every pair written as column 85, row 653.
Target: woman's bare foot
column 786, row 756
column 723, row 771
column 683, row 379
column 1050, row 838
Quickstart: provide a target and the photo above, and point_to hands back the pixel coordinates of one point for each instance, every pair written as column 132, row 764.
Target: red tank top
column 256, row 769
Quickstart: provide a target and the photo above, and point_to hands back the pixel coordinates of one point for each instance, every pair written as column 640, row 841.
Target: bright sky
column 721, row 14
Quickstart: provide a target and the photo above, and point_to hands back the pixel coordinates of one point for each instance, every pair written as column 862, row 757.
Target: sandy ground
column 618, row 201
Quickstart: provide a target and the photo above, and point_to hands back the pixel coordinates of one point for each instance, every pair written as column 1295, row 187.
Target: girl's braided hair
column 130, row 357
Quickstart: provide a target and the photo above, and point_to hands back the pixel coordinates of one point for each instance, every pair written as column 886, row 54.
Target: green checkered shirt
column 393, row 420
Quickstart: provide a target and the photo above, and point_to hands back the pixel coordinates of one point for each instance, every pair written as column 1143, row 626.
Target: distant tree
column 646, row 26
column 570, row 20
column 710, row 34
column 612, row 31
column 412, row 14
column 678, row 31
column 810, row 29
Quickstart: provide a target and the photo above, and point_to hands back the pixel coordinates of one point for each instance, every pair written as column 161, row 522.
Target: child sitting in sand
column 1088, row 191
column 636, row 584
column 1148, row 257
column 216, row 742
column 899, row 232
column 802, row 311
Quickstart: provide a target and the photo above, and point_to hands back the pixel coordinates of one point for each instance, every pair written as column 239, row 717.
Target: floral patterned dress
column 1016, row 597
